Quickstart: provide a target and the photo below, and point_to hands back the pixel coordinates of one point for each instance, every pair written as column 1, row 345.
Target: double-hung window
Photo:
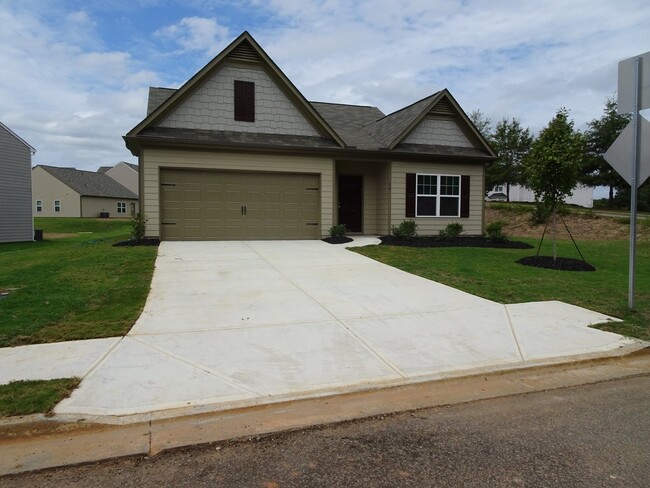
column 437, row 195
column 121, row 207
column 39, row 205
column 57, row 205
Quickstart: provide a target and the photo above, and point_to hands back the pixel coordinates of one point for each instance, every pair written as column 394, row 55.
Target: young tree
column 599, row 136
column 511, row 143
column 553, row 164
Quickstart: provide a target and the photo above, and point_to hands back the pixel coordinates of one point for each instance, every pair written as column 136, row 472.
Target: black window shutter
column 464, row 197
column 410, row 194
column 245, row 101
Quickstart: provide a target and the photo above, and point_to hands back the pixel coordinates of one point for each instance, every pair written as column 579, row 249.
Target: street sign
column 620, row 154
column 626, row 84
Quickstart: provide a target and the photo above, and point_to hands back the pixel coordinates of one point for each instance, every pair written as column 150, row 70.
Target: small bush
column 540, row 214
column 495, row 232
column 405, row 230
column 138, row 226
column 338, row 230
column 452, row 231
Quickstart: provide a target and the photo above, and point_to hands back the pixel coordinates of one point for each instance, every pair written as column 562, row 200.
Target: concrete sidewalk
column 231, row 324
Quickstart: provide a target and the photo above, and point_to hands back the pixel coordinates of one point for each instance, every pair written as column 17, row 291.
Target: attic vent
column 443, row 107
column 244, row 52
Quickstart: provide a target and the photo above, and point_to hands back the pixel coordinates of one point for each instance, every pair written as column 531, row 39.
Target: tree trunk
column 554, row 237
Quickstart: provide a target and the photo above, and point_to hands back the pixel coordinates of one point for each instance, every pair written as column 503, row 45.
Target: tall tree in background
column 482, row 123
column 511, row 143
column 599, row 136
column 553, row 165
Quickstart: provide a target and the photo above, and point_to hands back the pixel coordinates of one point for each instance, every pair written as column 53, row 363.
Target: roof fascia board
column 32, row 150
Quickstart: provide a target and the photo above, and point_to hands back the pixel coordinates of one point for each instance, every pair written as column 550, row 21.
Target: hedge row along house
column 237, row 152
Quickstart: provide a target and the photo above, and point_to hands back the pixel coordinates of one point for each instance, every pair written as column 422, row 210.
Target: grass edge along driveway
column 73, row 287
column 495, row 275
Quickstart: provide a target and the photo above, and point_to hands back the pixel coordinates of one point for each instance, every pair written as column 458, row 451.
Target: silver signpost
column 630, row 153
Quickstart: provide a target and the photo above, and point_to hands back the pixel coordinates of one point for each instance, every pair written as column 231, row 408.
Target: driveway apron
column 228, row 324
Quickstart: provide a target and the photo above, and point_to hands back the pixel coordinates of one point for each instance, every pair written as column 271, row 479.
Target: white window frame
column 437, row 195
column 39, row 205
column 121, row 208
column 57, row 205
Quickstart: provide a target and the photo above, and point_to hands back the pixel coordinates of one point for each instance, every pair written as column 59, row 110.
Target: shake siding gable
column 16, row 223
column 212, row 106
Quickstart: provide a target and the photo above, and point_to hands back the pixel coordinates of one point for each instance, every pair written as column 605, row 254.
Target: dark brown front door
column 351, row 202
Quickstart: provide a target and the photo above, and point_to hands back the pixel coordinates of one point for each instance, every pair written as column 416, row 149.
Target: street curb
column 38, row 442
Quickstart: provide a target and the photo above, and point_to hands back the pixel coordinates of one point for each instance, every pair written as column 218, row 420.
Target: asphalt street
column 591, row 436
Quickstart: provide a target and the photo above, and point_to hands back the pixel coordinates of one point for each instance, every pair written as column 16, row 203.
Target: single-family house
column 581, row 195
column 16, row 220
column 126, row 174
column 237, row 152
column 70, row 192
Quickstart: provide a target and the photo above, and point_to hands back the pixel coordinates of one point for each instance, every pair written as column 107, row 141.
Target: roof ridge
column 345, row 104
column 407, row 107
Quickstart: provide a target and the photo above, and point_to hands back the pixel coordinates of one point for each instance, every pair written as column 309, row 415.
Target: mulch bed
column 337, row 240
column 461, row 241
column 561, row 264
column 138, row 242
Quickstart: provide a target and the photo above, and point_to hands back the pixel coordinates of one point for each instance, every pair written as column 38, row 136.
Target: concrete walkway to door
column 230, row 324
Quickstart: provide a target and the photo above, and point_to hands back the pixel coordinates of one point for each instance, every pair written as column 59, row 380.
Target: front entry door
column 351, row 202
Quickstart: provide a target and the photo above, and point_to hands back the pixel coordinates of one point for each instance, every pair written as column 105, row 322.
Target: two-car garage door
column 214, row 205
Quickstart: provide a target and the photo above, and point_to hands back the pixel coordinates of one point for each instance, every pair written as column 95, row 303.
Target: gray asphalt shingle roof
column 157, row 96
column 90, row 183
column 349, row 122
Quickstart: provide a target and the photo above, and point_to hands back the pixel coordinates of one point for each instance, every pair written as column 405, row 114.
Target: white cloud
column 195, row 34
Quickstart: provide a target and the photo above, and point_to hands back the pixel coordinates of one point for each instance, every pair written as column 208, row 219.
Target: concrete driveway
column 230, row 324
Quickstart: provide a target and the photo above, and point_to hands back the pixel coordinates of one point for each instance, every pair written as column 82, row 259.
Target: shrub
column 405, row 230
column 338, row 230
column 540, row 214
column 495, row 232
column 138, row 226
column 452, row 231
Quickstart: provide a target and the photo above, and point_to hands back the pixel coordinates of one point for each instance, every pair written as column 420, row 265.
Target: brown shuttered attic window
column 411, row 181
column 245, row 101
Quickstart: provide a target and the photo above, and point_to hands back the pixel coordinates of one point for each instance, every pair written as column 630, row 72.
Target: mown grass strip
column 30, row 397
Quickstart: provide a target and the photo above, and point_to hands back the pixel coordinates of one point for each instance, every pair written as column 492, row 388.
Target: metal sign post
column 627, row 155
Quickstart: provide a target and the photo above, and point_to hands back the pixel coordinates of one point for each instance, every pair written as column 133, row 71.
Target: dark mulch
column 461, row 241
column 562, row 264
column 337, row 240
column 138, row 242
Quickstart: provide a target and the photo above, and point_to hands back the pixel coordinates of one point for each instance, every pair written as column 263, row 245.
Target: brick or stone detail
column 212, row 106
column 443, row 131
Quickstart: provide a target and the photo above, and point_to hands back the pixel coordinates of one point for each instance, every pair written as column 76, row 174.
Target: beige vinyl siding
column 16, row 222
column 47, row 188
column 375, row 192
column 152, row 159
column 92, row 206
column 431, row 225
column 125, row 176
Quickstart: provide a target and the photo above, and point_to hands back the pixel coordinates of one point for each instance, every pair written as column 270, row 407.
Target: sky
column 74, row 75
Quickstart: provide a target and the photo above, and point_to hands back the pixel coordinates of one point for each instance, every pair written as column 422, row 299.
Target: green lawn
column 76, row 287
column 494, row 274
column 28, row 397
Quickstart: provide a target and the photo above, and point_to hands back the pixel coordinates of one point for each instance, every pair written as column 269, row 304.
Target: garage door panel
column 211, row 205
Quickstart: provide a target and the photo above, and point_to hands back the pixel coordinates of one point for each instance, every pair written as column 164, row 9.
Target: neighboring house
column 70, row 192
column 16, row 220
column 582, row 195
column 126, row 174
column 237, row 152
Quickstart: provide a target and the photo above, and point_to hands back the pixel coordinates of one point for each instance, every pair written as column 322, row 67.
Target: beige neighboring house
column 237, row 152
column 126, row 174
column 70, row 192
column 16, row 222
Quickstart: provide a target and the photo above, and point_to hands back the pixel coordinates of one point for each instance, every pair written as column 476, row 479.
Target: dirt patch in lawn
column 583, row 227
column 59, row 235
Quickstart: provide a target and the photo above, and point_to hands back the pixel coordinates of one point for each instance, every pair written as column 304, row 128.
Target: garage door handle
column 243, row 210
column 311, row 223
column 168, row 223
